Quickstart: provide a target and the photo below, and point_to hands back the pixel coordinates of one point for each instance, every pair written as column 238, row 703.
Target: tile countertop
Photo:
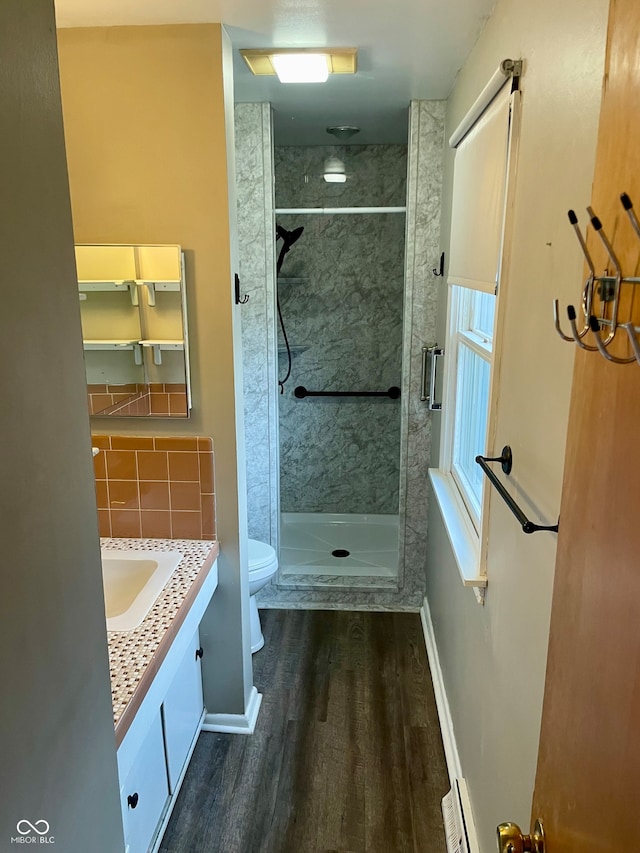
column 135, row 656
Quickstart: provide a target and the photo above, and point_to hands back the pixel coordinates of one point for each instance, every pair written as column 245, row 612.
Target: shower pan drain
column 340, row 552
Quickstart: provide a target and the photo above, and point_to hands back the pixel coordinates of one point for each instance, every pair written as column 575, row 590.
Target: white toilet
column 263, row 565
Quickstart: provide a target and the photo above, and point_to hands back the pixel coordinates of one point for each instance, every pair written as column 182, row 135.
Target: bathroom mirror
column 134, row 330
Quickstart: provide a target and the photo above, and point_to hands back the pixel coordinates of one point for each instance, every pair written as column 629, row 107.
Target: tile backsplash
column 155, row 400
column 159, row 487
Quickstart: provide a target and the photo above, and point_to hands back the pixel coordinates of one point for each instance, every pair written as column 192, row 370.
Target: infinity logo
column 41, row 827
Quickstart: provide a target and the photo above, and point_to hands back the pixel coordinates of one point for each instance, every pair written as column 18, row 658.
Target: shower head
column 288, row 237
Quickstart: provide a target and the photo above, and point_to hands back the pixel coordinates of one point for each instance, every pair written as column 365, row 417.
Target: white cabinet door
column 145, row 791
column 183, row 706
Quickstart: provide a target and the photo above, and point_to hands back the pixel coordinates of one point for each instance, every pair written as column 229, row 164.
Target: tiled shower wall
column 256, row 232
column 157, row 487
column 341, row 294
column 426, row 141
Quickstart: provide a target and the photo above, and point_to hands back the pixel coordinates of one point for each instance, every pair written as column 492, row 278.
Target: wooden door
column 588, row 778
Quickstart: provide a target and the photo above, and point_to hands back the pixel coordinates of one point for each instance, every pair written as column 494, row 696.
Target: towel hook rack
column 587, row 293
column 604, row 327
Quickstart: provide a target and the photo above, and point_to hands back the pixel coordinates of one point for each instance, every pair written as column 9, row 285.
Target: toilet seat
column 262, row 560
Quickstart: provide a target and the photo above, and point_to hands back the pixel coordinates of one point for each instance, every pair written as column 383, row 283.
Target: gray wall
column 493, row 658
column 56, row 726
column 343, row 309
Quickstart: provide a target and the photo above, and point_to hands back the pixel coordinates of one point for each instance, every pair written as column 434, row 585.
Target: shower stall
column 337, row 479
column 340, row 304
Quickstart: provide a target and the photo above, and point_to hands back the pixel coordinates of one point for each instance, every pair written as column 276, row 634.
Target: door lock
column 511, row 839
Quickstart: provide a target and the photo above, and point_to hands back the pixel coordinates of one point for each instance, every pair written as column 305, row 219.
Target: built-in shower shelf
column 299, row 211
column 285, row 279
column 295, row 351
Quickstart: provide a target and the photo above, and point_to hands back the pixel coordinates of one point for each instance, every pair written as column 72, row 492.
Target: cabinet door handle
column 132, row 800
column 199, row 653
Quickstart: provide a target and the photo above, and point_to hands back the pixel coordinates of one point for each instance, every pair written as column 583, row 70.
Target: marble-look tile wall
column 423, row 198
column 340, row 292
column 376, row 176
column 256, row 231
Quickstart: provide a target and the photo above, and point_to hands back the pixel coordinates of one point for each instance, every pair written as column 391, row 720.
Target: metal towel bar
column 506, row 460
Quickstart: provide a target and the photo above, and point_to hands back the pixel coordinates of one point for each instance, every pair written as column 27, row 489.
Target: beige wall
column 56, row 725
column 148, row 115
column 494, row 657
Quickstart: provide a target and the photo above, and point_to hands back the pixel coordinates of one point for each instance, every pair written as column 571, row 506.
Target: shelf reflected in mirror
column 134, row 327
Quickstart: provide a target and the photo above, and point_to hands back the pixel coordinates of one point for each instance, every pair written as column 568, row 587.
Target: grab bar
column 428, row 395
column 506, row 461
column 301, row 392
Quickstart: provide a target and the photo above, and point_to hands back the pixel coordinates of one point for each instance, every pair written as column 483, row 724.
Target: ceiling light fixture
column 301, row 65
column 334, row 171
column 342, row 132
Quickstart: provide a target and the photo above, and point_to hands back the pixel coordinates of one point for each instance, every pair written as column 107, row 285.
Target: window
column 470, row 346
column 481, row 169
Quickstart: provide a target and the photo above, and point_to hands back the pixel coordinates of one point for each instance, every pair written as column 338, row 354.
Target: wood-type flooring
column 347, row 755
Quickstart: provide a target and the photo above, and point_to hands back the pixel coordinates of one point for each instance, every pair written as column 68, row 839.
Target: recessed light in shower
column 334, row 172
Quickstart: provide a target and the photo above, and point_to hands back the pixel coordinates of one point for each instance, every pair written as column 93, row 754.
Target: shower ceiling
column 406, row 49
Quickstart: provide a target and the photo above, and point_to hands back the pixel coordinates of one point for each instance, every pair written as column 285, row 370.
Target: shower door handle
column 428, row 395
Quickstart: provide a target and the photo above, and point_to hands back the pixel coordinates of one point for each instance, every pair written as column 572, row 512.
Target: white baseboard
column 236, row 724
column 451, row 753
column 442, row 703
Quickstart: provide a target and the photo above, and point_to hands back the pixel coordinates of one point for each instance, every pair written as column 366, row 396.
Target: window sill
column 462, row 535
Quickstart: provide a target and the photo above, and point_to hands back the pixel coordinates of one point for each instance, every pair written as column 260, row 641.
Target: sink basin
column 132, row 581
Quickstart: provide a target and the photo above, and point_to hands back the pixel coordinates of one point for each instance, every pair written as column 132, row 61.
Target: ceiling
column 406, row 49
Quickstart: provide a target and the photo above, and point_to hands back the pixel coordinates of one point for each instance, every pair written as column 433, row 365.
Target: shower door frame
column 421, row 286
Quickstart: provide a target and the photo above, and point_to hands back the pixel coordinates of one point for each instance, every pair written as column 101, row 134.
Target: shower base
column 330, row 547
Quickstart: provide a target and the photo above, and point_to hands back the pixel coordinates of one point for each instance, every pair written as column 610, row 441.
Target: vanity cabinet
column 153, row 758
column 145, row 792
column 182, row 711
column 158, row 730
